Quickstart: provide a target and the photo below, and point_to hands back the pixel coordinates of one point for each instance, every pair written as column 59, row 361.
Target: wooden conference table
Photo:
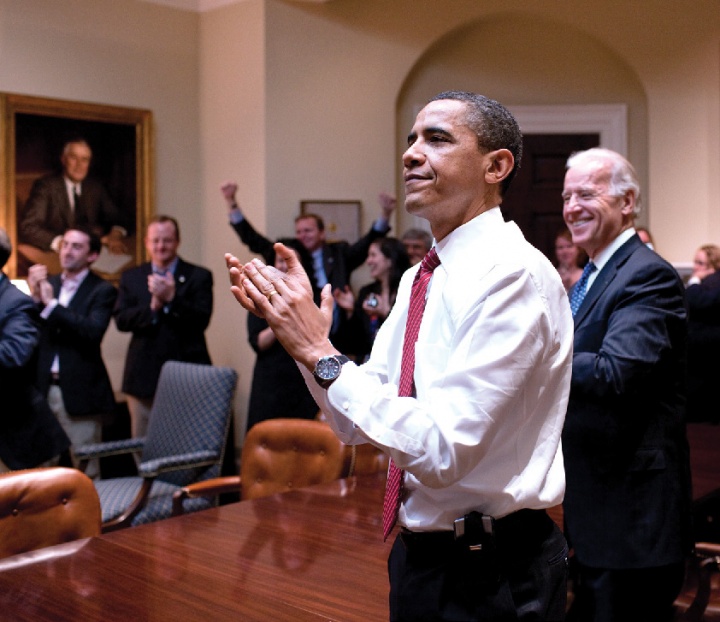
column 307, row 555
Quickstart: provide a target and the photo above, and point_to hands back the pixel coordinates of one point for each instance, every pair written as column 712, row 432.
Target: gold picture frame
column 341, row 218
column 32, row 133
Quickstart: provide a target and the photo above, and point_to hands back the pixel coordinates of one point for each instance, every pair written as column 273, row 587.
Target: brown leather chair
column 46, row 506
column 699, row 600
column 365, row 459
column 278, row 455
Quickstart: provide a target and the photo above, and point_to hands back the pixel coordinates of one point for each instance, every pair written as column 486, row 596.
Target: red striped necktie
column 393, row 488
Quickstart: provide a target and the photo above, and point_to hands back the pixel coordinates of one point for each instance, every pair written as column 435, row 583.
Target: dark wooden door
column 534, row 200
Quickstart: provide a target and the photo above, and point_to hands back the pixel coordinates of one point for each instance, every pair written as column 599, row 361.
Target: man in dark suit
column 333, row 262
column 75, row 311
column 29, row 433
column 166, row 304
column 627, row 502
column 58, row 202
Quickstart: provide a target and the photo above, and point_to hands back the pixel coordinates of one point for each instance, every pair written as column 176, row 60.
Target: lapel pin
column 181, row 278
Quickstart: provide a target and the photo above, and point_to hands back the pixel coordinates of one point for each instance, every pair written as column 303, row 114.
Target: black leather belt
column 518, row 528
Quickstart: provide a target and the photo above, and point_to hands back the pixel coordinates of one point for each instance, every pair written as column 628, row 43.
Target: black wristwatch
column 328, row 369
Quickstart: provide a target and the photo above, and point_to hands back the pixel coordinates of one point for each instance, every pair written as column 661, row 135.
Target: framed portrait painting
column 39, row 137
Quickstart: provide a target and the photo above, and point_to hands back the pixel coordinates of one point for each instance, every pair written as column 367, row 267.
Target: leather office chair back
column 46, row 506
column 284, row 454
column 365, row 459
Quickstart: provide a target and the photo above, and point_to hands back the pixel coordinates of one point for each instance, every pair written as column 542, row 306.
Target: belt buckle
column 459, row 525
column 468, row 527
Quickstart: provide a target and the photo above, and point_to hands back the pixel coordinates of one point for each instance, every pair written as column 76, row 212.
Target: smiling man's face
column 594, row 216
column 444, row 169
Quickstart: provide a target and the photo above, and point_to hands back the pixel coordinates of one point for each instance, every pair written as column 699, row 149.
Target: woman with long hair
column 387, row 260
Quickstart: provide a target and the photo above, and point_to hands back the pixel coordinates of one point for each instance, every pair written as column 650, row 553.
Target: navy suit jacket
column 177, row 333
column 627, row 502
column 75, row 334
column 47, row 212
column 29, row 432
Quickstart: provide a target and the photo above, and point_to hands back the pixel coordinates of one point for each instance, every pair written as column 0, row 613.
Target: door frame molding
column 607, row 120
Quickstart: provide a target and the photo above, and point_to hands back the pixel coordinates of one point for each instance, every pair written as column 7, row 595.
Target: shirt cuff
column 236, row 216
column 381, row 225
column 49, row 308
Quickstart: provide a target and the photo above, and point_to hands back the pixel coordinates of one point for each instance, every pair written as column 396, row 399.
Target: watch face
column 328, row 368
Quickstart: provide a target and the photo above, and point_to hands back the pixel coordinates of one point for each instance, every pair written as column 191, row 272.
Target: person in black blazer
column 59, row 202
column 29, row 433
column 703, row 300
column 166, row 304
column 75, row 311
column 339, row 259
column 278, row 388
column 628, row 496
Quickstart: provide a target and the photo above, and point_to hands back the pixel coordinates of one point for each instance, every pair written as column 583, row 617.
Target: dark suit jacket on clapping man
column 75, row 334
column 175, row 333
column 29, row 432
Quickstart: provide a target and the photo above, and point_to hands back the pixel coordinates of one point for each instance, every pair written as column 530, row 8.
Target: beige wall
column 125, row 53
column 304, row 100
column 234, row 147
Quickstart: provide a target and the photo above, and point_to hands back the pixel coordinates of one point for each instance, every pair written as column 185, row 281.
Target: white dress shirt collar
column 605, row 254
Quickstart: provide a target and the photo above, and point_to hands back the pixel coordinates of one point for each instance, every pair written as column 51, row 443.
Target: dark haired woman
column 387, row 260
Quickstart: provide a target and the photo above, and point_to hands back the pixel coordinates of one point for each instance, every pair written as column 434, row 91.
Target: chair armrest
column 152, row 468
column 707, row 561
column 110, row 448
column 207, row 488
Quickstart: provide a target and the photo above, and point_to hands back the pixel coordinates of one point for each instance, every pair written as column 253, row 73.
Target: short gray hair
column 418, row 234
column 623, row 178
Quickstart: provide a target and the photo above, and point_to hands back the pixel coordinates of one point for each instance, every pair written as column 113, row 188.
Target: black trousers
column 433, row 578
column 626, row 595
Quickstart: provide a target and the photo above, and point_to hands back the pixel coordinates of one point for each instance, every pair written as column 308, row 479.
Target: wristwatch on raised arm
column 328, row 368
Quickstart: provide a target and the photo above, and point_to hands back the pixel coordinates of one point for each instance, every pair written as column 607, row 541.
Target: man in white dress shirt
column 479, row 440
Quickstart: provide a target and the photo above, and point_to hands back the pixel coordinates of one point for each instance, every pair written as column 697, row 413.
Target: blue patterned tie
column 577, row 295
